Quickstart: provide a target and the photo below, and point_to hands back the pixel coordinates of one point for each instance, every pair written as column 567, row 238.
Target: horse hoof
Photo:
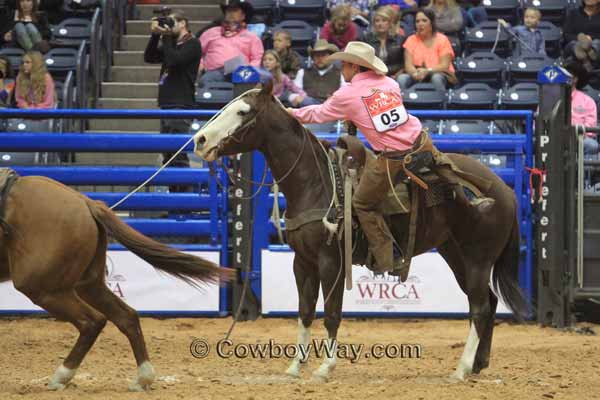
column 457, row 377
column 137, row 387
column 56, row 386
column 293, row 371
column 319, row 377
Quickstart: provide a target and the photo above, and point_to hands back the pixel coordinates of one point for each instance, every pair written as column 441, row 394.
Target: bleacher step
column 137, row 159
column 130, row 58
column 139, row 74
column 142, row 27
column 178, row 2
column 125, row 125
column 125, row 103
column 132, row 90
column 192, row 11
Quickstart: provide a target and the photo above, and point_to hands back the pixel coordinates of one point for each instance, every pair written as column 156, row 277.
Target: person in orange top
column 428, row 55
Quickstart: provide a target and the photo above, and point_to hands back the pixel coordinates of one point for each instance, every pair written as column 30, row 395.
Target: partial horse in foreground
column 53, row 248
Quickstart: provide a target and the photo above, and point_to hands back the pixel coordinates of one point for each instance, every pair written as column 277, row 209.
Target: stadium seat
column 61, row 60
column 504, row 9
column 14, row 56
column 483, row 37
column 265, row 11
column 466, row 126
column 525, row 68
column 481, row 67
column 456, row 44
column 473, row 96
column 71, row 32
column 423, row 95
column 303, row 34
column 552, row 37
column 520, row 96
column 312, row 11
column 552, row 10
column 214, row 95
column 432, row 125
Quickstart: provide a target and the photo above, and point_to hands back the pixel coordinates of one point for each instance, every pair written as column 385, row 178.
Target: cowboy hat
column 243, row 4
column 361, row 54
column 323, row 45
column 577, row 69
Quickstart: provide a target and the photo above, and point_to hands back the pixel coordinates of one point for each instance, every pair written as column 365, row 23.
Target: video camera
column 163, row 17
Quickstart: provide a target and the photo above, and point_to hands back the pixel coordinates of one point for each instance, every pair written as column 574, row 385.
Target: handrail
column 95, row 51
column 107, row 39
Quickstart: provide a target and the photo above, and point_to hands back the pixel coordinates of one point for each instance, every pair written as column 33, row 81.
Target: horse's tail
column 505, row 275
column 191, row 269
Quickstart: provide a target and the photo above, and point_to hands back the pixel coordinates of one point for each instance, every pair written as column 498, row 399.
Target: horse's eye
column 242, row 113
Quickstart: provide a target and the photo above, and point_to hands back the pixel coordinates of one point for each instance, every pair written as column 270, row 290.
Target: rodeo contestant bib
column 386, row 110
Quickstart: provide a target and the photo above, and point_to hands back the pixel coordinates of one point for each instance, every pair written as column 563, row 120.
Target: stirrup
column 401, row 269
column 482, row 204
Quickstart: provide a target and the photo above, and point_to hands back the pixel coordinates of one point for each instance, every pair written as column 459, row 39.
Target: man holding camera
column 172, row 45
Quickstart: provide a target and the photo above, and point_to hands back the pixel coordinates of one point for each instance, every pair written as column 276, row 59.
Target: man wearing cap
column 372, row 101
column 323, row 77
column 229, row 41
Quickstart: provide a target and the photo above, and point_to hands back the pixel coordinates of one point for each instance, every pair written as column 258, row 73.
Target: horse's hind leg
column 94, row 291
column 482, row 359
column 66, row 305
column 307, row 284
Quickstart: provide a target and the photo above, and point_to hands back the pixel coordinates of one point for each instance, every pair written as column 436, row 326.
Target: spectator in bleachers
column 340, row 29
column 283, row 87
column 29, row 27
column 473, row 12
column 290, row 60
column 428, row 55
column 583, row 108
column 358, row 7
column 323, row 77
column 448, row 16
column 7, row 84
column 179, row 56
column 385, row 38
column 406, row 9
column 529, row 37
column 582, row 32
column 35, row 86
column 230, row 43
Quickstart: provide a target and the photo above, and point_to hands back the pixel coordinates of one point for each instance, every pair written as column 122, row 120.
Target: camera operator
column 172, row 45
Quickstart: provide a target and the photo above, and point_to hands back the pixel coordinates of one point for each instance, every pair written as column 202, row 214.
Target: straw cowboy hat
column 361, row 54
column 323, row 45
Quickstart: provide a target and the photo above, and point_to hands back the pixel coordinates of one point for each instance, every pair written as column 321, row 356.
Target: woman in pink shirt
column 372, row 101
column 583, row 108
column 428, row 55
column 35, row 86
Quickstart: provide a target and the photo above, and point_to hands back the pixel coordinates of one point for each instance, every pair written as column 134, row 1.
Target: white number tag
column 386, row 110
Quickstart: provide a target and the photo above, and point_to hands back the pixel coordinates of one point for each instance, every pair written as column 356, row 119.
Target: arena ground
column 528, row 362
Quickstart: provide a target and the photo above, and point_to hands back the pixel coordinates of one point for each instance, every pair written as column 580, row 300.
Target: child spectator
column 448, row 16
column 283, row 87
column 529, row 37
column 7, row 85
column 35, row 86
column 30, row 27
column 290, row 60
column 340, row 29
column 323, row 77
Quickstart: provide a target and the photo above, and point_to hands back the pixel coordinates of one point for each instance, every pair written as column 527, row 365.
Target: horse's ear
column 267, row 88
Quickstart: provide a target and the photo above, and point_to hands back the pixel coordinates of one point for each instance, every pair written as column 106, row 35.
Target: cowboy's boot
column 401, row 266
column 481, row 205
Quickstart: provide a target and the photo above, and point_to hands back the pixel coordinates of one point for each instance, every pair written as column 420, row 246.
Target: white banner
column 430, row 288
column 139, row 285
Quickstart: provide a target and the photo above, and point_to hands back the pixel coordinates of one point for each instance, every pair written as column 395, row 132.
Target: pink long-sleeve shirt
column 216, row 48
column 583, row 111
column 25, row 100
column 292, row 88
column 347, row 104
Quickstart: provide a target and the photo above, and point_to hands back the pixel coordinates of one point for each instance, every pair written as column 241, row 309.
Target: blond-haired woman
column 386, row 37
column 340, row 30
column 448, row 16
column 35, row 86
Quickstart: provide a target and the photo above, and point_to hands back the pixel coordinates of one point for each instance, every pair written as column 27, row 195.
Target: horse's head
column 232, row 130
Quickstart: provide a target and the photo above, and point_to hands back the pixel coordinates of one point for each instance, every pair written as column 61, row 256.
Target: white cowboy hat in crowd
column 361, row 54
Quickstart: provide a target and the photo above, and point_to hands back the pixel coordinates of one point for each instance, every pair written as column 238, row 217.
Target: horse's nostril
column 201, row 140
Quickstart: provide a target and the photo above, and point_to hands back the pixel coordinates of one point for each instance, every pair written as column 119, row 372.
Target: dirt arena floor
column 528, row 362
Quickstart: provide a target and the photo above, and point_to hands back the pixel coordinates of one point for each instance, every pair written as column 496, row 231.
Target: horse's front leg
column 307, row 283
column 332, row 278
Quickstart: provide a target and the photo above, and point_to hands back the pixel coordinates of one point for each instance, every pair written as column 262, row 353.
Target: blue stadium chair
column 483, row 67
column 525, row 68
column 504, row 9
column 483, row 37
column 493, row 160
column 312, row 11
column 507, row 126
column 552, row 36
column 61, row 60
column 520, row 96
column 432, row 125
column 14, row 56
column 214, row 95
column 265, row 11
column 456, row 44
column 465, row 126
column 423, row 96
column 303, row 34
column 71, row 32
column 473, row 96
column 554, row 11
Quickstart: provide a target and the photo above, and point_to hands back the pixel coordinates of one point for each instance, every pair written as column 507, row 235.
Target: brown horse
column 54, row 250
column 471, row 245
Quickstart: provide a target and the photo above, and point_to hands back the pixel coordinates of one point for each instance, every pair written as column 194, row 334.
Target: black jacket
column 41, row 24
column 579, row 22
column 178, row 71
column 395, row 52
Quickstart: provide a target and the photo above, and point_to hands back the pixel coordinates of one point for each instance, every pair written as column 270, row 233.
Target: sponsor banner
column 430, row 288
column 139, row 285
